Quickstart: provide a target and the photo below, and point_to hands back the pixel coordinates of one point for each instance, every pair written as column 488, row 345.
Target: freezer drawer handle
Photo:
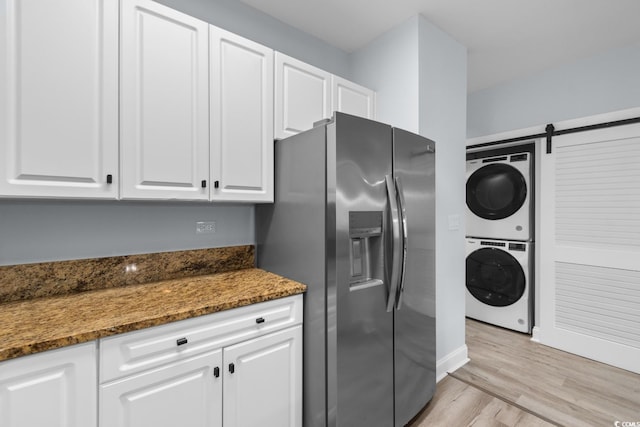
column 181, row 341
column 232, row 368
column 260, row 320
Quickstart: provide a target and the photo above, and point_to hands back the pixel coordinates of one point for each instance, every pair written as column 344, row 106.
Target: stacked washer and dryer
column 500, row 237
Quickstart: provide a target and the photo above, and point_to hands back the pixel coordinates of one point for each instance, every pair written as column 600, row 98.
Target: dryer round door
column 495, row 277
column 496, row 191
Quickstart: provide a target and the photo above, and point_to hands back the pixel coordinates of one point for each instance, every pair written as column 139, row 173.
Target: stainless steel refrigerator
column 354, row 219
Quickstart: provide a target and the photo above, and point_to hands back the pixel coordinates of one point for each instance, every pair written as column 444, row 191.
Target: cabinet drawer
column 134, row 352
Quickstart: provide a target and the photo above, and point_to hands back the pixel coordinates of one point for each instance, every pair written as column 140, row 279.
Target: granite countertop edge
column 38, row 325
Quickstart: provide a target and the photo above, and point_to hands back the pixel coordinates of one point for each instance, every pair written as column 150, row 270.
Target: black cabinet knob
column 216, row 372
column 204, row 183
column 216, row 184
column 232, row 368
column 260, row 320
column 109, row 179
column 181, row 341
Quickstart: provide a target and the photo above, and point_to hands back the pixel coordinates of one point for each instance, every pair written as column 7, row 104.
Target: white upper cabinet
column 351, row 98
column 303, row 96
column 164, row 114
column 306, row 94
column 135, row 100
column 59, row 98
column 241, row 73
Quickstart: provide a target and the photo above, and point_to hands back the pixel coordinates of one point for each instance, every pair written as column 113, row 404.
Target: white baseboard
column 451, row 362
column 535, row 334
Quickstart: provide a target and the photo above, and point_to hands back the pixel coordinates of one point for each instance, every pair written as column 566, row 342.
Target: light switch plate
column 454, row 222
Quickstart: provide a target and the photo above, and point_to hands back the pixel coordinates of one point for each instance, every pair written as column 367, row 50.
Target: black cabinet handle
column 232, row 368
column 204, row 183
column 216, row 184
column 181, row 341
column 109, row 179
column 216, row 372
column 260, row 320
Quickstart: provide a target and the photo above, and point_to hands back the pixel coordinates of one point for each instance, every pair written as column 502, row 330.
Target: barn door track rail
column 550, row 132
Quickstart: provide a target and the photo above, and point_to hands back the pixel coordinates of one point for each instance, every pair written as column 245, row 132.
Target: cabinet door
column 164, row 103
column 59, row 98
column 303, row 96
column 241, row 118
column 55, row 389
column 351, row 98
column 185, row 393
column 263, row 381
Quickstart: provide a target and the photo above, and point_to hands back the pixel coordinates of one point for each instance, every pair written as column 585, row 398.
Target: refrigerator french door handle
column 396, row 256
column 403, row 224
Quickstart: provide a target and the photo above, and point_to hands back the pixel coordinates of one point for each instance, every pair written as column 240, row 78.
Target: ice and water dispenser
column 365, row 249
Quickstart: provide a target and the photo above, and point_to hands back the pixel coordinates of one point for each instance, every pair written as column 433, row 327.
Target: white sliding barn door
column 590, row 245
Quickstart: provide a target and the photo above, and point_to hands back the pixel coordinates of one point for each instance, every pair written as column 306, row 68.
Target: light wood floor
column 512, row 381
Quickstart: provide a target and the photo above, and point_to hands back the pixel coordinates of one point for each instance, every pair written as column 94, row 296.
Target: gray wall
column 420, row 73
column 40, row 230
column 443, row 108
column 390, row 66
column 598, row 84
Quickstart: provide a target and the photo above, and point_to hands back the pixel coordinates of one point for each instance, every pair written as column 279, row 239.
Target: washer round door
column 495, row 277
column 496, row 191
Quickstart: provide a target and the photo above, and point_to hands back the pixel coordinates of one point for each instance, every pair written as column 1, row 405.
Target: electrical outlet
column 205, row 227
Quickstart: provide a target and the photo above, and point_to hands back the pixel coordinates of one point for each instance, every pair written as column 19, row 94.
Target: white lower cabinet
column 235, row 368
column 57, row 388
column 185, row 393
column 261, row 386
column 241, row 367
column 263, row 381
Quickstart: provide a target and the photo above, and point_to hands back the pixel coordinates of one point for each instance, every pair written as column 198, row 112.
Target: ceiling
column 505, row 39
